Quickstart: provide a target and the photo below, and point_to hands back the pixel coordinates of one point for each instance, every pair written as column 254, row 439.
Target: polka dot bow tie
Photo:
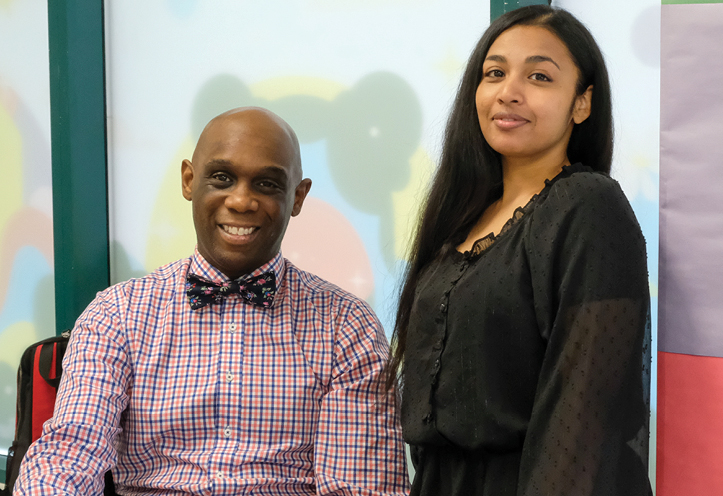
column 259, row 290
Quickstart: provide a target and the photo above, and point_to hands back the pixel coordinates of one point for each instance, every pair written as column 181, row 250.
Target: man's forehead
column 231, row 127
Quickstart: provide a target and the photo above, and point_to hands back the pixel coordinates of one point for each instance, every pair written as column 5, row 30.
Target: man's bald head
column 256, row 120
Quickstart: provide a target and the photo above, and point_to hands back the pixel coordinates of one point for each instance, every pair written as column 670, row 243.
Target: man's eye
column 268, row 184
column 220, row 176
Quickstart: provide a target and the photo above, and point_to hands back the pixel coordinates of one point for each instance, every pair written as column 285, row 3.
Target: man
column 232, row 371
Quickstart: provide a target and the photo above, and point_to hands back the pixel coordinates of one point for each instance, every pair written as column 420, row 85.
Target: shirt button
column 443, row 308
column 227, row 432
column 219, row 475
column 437, row 346
column 229, row 377
column 232, row 327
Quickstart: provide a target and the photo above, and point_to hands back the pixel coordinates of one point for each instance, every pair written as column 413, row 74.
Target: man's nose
column 242, row 198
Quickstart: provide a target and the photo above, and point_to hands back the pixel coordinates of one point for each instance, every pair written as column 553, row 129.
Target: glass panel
column 366, row 85
column 27, row 311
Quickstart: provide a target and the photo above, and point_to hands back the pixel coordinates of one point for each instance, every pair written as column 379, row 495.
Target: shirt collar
column 201, row 267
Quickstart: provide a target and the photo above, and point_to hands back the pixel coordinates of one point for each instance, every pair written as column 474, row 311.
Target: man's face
column 245, row 183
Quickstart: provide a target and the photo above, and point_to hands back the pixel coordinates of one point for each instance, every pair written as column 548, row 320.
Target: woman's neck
column 522, row 178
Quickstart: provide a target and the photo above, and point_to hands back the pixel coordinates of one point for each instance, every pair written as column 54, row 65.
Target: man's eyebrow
column 275, row 170
column 218, row 163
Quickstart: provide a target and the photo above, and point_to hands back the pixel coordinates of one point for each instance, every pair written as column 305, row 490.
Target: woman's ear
column 583, row 106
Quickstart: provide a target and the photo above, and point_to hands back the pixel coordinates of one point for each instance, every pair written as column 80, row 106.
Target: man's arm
column 359, row 448
column 77, row 444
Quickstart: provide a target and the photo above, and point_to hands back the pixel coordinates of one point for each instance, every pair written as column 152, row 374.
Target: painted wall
column 690, row 429
column 27, row 311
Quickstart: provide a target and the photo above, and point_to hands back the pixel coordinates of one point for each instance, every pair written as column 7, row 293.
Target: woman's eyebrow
column 532, row 59
column 496, row 58
column 540, row 58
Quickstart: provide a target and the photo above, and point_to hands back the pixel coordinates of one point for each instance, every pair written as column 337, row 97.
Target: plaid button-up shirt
column 229, row 399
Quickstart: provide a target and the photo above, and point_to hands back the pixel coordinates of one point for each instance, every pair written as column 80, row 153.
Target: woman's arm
column 588, row 429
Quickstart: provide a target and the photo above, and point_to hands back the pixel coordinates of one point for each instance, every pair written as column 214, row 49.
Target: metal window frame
column 499, row 7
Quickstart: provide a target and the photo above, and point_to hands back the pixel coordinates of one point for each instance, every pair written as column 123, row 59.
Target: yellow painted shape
column 451, row 65
column 275, row 88
column 14, row 340
column 406, row 202
column 171, row 233
column 11, row 165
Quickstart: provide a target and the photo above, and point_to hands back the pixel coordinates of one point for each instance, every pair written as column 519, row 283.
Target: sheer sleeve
column 588, row 432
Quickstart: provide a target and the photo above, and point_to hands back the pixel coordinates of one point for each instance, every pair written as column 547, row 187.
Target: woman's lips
column 505, row 120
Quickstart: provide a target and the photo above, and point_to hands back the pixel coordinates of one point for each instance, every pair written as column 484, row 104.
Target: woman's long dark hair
column 469, row 177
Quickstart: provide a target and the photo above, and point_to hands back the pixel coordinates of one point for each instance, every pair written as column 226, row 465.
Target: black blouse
column 527, row 368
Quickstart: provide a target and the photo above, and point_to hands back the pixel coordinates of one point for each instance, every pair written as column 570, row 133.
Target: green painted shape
column 78, row 137
column 499, row 7
column 688, row 2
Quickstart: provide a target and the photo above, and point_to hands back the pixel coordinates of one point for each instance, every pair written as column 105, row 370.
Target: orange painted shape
column 690, row 425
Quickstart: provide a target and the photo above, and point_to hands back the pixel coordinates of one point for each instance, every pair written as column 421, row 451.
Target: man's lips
column 237, row 230
column 506, row 120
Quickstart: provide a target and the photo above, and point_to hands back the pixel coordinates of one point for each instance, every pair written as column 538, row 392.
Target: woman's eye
column 494, row 73
column 540, row 77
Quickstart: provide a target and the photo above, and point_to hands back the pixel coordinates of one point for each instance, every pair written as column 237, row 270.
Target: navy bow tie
column 259, row 290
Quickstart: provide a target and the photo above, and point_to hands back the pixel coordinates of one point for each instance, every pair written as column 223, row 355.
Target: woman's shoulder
column 579, row 186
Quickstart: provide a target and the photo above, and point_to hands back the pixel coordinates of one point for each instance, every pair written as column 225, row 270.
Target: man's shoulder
column 309, row 286
column 166, row 276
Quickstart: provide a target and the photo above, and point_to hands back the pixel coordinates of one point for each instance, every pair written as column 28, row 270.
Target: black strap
column 46, row 362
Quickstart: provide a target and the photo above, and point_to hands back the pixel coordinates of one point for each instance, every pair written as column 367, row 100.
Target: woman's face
column 526, row 101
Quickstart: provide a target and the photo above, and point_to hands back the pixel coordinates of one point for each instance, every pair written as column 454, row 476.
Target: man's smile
column 238, row 231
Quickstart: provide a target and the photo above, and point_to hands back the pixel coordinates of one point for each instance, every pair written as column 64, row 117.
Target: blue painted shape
column 29, row 269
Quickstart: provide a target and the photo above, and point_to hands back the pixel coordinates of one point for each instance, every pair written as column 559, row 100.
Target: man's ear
column 299, row 195
column 583, row 106
column 186, row 178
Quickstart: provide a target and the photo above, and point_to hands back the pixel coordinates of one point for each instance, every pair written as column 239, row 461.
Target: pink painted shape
column 27, row 227
column 322, row 241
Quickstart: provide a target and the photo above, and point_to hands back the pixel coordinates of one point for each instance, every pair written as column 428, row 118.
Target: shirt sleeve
column 588, row 432
column 76, row 447
column 359, row 448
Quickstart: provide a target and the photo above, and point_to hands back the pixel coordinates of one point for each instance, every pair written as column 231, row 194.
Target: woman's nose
column 510, row 91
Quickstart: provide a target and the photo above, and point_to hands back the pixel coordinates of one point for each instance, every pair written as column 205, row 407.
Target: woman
column 522, row 335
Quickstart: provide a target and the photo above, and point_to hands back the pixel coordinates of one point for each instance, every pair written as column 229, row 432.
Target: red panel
column 690, row 425
column 43, row 395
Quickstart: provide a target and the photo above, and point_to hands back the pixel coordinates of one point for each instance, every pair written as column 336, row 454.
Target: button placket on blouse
column 438, row 346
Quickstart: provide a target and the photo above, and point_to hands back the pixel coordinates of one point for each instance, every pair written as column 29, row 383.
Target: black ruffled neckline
column 482, row 244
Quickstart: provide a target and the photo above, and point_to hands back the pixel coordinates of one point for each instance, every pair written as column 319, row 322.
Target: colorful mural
column 26, row 246
column 27, row 311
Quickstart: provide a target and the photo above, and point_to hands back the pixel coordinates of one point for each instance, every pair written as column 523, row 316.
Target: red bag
column 38, row 378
